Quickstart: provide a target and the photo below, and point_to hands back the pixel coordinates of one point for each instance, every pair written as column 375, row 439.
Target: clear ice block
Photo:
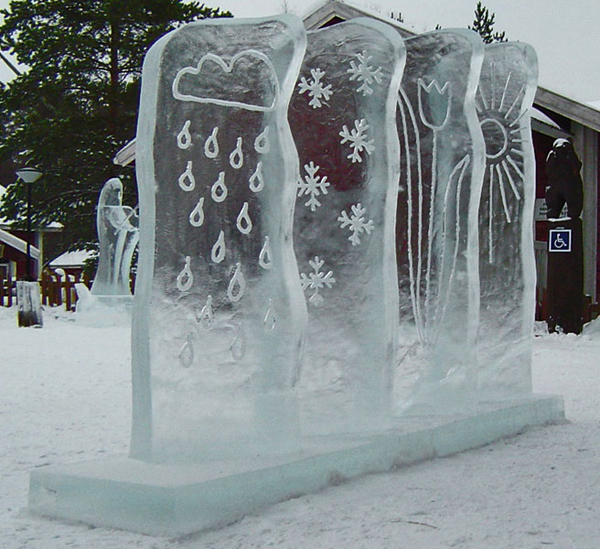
column 219, row 314
column 342, row 119
column 442, row 162
column 507, row 264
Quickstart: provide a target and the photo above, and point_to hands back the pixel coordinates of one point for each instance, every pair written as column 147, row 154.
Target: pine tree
column 483, row 24
column 77, row 104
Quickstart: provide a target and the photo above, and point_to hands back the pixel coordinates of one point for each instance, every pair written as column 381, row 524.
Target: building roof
column 71, row 259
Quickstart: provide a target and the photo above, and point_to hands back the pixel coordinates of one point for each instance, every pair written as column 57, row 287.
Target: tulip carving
column 434, row 104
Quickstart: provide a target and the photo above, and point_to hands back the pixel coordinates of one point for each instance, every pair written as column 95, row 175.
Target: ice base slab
column 179, row 499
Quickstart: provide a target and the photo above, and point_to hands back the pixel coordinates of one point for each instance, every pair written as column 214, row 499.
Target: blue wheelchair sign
column 559, row 240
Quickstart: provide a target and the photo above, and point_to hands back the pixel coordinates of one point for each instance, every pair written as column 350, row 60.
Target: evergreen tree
column 483, row 24
column 76, row 105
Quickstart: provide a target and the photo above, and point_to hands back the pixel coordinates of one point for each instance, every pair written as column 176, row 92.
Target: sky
column 564, row 33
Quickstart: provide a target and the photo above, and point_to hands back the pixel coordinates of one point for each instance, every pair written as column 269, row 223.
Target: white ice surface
column 66, row 398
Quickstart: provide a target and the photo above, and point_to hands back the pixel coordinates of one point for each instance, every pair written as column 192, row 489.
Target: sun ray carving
column 500, row 110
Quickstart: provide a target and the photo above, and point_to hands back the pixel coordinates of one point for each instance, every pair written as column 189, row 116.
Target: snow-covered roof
column 594, row 104
column 544, row 124
column 71, row 259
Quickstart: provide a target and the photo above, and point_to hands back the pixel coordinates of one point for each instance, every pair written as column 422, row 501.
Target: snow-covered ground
column 65, row 397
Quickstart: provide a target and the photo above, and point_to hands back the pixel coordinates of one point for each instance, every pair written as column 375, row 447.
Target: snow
column 594, row 105
column 66, row 398
column 71, row 259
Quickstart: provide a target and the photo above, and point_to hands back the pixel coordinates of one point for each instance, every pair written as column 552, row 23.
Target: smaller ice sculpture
column 507, row 265
column 219, row 315
column 118, row 236
column 29, row 311
column 438, row 201
column 344, row 222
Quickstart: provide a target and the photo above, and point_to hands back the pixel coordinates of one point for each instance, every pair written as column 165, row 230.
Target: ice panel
column 118, row 237
column 342, row 119
column 442, row 164
column 219, row 314
column 507, row 264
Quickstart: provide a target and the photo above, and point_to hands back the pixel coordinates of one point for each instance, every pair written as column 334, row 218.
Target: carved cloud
column 248, row 81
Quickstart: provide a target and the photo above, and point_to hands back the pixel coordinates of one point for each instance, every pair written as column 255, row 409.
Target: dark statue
column 564, row 181
column 565, row 269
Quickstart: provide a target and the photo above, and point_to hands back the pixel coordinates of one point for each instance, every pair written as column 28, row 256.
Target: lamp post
column 28, row 290
column 29, row 176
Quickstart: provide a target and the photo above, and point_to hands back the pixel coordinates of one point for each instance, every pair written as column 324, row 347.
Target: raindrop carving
column 237, row 285
column 187, row 182
column 197, row 215
column 257, row 181
column 244, row 223
column 270, row 320
column 185, row 278
column 236, row 158
column 217, row 254
column 211, row 146
column 218, row 191
column 262, row 144
column 186, row 355
column 184, row 139
column 206, row 316
column 264, row 259
column 238, row 345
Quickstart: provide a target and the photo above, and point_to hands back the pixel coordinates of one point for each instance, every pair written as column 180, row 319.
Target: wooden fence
column 57, row 290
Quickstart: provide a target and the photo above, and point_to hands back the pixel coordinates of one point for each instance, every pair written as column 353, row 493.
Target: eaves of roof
column 574, row 110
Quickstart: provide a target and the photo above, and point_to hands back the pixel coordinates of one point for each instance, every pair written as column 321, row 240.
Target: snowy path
column 65, row 397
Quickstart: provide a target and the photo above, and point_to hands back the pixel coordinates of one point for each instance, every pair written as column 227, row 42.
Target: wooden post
column 9, row 282
column 68, row 286
column 586, row 141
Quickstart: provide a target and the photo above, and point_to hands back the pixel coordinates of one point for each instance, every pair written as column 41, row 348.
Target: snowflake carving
column 364, row 73
column 316, row 281
column 315, row 88
column 313, row 185
column 356, row 223
column 358, row 140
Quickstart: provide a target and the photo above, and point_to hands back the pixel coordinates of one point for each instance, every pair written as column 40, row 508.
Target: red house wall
column 11, row 254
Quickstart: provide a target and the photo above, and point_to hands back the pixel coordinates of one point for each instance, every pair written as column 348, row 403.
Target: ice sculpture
column 437, row 221
column 507, row 264
column 342, row 118
column 29, row 304
column 219, row 314
column 118, row 236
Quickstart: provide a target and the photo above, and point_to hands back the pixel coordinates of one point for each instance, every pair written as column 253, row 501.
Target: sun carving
column 499, row 106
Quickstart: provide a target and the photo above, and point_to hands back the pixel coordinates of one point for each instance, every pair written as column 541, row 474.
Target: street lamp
column 29, row 176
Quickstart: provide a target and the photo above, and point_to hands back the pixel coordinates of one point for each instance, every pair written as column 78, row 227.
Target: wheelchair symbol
column 560, row 240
